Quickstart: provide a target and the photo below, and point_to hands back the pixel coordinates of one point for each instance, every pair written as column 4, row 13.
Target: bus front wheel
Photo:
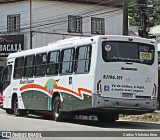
column 57, row 111
column 15, row 107
column 16, row 110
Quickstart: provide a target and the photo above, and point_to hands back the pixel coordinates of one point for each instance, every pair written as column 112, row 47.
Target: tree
column 153, row 12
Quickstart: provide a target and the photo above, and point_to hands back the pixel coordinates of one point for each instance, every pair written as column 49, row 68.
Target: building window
column 97, row 26
column 13, row 23
column 29, row 66
column 19, row 68
column 67, row 61
column 74, row 24
column 53, row 63
column 40, row 66
column 83, row 59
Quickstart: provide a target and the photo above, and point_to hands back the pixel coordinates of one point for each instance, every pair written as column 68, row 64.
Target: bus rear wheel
column 57, row 111
column 9, row 111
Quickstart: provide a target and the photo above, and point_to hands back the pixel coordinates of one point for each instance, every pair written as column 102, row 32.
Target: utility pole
column 30, row 24
column 125, row 17
column 144, row 18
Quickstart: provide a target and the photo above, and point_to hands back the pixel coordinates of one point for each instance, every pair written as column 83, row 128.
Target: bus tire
column 17, row 112
column 108, row 118
column 57, row 112
column 9, row 111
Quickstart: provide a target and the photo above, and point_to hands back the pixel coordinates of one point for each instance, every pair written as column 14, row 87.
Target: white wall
column 21, row 8
column 55, row 14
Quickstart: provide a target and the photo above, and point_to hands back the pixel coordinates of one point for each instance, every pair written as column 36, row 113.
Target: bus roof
column 67, row 43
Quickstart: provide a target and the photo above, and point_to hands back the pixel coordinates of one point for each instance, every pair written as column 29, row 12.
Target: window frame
column 105, row 59
column 71, row 62
column 40, row 65
column 50, row 63
column 75, row 19
column 31, row 66
column 18, row 68
column 101, row 26
column 12, row 25
column 89, row 52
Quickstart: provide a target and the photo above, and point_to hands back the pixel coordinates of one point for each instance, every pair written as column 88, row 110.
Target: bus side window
column 83, row 59
column 67, row 61
column 53, row 63
column 19, row 68
column 40, row 64
column 29, row 66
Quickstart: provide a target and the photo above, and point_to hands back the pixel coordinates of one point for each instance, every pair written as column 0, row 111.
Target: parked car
column 1, row 85
column 1, row 98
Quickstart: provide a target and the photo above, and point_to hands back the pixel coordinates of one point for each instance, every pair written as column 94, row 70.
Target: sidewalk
column 157, row 111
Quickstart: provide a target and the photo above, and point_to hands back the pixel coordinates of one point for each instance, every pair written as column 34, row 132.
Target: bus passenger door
column 6, row 86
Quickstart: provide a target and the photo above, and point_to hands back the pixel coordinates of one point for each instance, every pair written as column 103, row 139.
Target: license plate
column 127, row 95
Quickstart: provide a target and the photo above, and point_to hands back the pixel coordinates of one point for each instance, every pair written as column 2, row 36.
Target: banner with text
column 10, row 44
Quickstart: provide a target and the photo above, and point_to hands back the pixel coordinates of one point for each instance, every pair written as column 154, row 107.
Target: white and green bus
column 102, row 75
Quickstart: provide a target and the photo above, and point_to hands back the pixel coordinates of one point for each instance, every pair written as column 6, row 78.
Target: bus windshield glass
column 117, row 51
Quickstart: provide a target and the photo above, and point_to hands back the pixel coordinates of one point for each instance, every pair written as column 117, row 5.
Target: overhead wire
column 51, row 6
column 62, row 20
column 59, row 22
column 110, row 16
column 57, row 18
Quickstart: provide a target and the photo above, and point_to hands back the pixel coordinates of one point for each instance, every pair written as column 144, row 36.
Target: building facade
column 44, row 21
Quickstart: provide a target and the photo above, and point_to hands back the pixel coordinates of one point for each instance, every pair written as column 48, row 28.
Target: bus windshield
column 116, row 51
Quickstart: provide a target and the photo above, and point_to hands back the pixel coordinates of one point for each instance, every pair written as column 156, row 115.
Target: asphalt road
column 38, row 124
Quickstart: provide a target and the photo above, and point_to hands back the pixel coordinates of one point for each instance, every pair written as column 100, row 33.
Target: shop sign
column 10, row 44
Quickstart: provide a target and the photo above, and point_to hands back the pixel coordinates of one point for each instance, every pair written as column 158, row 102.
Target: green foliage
column 134, row 13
